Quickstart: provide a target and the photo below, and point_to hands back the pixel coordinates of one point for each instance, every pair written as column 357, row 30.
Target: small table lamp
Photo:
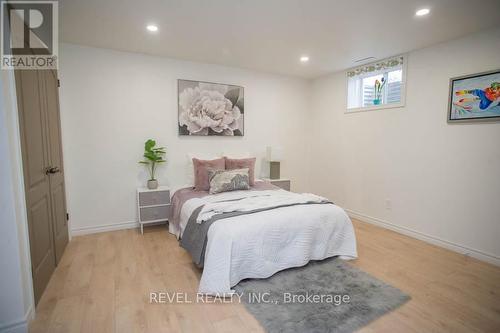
column 274, row 156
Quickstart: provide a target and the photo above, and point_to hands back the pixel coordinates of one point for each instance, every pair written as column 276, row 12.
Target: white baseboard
column 104, row 228
column 19, row 326
column 490, row 258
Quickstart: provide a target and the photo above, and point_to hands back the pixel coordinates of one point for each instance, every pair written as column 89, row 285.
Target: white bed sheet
column 261, row 244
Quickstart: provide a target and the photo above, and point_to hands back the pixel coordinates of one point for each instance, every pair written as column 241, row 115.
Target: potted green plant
column 153, row 156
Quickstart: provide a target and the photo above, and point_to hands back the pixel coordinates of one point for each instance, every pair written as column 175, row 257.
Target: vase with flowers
column 379, row 86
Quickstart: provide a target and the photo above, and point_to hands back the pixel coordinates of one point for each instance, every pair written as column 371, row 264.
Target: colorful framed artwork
column 210, row 109
column 475, row 98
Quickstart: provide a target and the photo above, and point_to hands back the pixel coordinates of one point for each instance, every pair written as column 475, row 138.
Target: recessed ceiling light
column 304, row 59
column 152, row 28
column 422, row 12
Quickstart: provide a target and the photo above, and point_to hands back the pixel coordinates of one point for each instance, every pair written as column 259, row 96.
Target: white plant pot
column 152, row 184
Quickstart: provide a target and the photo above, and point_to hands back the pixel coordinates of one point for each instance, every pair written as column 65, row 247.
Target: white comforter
column 260, row 244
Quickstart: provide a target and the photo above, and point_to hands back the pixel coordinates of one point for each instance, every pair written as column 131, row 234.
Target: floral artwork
column 475, row 97
column 209, row 109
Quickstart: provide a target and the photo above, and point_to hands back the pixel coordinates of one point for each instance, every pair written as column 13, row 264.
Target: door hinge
column 67, row 216
column 58, row 83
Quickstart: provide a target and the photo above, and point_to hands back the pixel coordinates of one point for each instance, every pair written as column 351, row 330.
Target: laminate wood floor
column 103, row 281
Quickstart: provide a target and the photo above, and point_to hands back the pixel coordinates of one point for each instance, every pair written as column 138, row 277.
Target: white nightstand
column 153, row 206
column 282, row 183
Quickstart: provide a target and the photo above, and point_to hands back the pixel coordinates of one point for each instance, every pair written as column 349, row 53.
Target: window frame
column 401, row 104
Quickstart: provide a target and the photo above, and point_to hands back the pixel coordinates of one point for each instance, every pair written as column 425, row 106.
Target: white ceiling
column 271, row 35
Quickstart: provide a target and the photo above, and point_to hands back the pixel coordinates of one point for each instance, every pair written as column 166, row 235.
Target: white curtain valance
column 376, row 66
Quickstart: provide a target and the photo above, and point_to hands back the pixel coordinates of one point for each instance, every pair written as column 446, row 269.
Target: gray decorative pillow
column 228, row 180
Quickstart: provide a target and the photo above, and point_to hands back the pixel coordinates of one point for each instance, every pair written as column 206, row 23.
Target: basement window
column 378, row 85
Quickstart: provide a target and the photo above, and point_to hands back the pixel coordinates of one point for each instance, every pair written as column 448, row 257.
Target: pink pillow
column 201, row 167
column 242, row 163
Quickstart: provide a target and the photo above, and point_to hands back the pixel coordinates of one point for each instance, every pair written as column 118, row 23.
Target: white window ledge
column 375, row 107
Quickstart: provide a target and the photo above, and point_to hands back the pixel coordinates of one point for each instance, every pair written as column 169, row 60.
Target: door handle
column 52, row 170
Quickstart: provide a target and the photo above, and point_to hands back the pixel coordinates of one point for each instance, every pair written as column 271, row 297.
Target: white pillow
column 238, row 155
column 200, row 156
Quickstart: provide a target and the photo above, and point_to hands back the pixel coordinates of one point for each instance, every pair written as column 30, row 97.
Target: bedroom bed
column 257, row 232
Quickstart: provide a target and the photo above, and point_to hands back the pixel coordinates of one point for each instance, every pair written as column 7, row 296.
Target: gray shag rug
column 286, row 302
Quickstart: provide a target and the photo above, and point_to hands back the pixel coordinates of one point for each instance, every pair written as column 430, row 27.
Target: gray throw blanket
column 194, row 238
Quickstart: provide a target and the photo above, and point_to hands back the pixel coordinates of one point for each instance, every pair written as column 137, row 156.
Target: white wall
column 16, row 300
column 111, row 102
column 443, row 180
